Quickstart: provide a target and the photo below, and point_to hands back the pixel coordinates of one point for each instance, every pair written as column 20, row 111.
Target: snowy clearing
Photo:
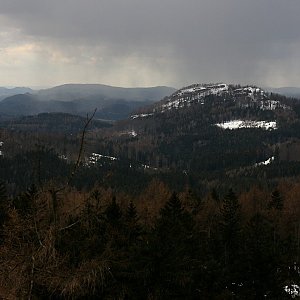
column 132, row 133
column 293, row 290
column 237, row 124
column 266, row 162
column 141, row 116
column 95, row 157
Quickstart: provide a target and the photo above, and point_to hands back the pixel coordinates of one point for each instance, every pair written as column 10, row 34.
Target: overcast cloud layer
column 146, row 43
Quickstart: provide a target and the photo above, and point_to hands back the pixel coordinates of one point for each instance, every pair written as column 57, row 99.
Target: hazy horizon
column 84, row 83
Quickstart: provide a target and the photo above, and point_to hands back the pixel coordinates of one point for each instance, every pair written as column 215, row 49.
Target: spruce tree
column 113, row 212
column 25, row 202
column 262, row 263
column 230, row 231
column 215, row 195
column 276, row 200
column 169, row 253
column 131, row 214
column 230, row 224
column 133, row 229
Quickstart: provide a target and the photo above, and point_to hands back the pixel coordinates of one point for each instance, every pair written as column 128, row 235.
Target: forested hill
column 197, row 107
column 210, row 131
column 195, row 197
column 242, row 96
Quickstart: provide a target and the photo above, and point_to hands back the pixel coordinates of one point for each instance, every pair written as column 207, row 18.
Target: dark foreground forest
column 67, row 244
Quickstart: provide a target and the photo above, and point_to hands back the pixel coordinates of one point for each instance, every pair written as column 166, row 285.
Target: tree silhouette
column 276, row 200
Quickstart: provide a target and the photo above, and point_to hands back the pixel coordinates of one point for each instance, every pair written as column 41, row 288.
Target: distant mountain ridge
column 6, row 92
column 115, row 103
column 70, row 92
column 112, row 103
column 286, row 91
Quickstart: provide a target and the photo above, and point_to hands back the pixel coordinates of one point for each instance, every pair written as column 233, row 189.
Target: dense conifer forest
column 64, row 243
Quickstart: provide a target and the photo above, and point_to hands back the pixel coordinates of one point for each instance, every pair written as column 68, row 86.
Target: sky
column 134, row 43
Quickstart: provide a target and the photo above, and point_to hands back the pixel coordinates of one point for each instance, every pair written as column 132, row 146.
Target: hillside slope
column 208, row 131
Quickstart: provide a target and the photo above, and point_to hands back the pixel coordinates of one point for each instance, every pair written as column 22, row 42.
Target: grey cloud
column 199, row 40
column 156, row 19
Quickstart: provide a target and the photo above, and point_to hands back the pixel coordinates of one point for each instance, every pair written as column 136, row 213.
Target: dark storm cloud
column 199, row 40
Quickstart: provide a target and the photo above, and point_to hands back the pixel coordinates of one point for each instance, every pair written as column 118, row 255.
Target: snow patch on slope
column 1, row 152
column 266, row 162
column 141, row 116
column 237, row 124
column 204, row 89
column 95, row 157
column 132, row 133
column 293, row 290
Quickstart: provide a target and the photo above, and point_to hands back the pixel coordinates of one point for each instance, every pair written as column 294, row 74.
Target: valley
column 201, row 131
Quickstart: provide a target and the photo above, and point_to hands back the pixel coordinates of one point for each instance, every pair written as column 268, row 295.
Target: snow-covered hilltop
column 247, row 96
column 243, row 96
column 195, row 93
column 204, row 89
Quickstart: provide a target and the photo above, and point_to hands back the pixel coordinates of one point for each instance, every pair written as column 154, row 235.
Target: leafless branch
column 88, row 121
column 31, row 281
column 69, row 226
